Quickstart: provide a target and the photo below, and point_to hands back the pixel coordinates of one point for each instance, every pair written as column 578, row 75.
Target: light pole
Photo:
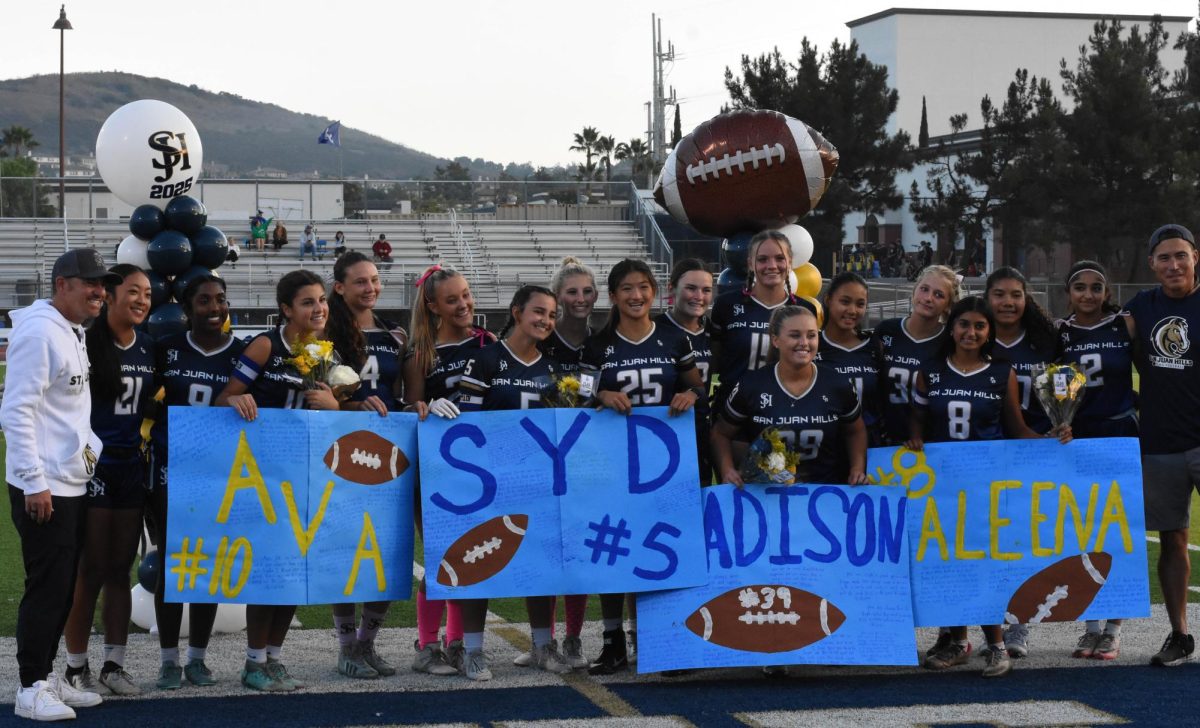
column 62, row 24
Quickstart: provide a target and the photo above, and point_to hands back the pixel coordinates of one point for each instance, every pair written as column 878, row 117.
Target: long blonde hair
column 570, row 266
column 424, row 322
column 948, row 275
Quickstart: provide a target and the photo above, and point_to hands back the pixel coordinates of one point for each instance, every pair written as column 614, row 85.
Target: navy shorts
column 118, row 483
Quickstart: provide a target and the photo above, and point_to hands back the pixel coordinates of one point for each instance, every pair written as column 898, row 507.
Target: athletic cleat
column 1108, row 648
column 256, row 677
column 943, row 639
column 351, row 664
column 373, row 658
column 1016, row 637
column 41, row 703
column 613, row 656
column 525, row 659
column 119, row 682
column 85, row 682
column 1176, row 650
column 456, row 655
column 69, row 696
column 998, row 664
column 431, row 660
column 280, row 673
column 572, row 652
column 475, row 666
column 1086, row 646
column 548, row 658
column 198, row 674
column 170, row 676
column 949, row 656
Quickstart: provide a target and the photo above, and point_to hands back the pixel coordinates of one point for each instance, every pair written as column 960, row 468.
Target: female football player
column 691, row 289
column 847, row 350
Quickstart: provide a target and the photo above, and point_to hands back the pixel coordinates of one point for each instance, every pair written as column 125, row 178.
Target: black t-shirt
column 1166, row 361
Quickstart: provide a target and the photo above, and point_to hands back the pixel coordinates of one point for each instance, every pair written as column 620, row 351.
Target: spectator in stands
column 258, row 230
column 382, row 250
column 308, row 242
column 279, row 236
column 339, row 244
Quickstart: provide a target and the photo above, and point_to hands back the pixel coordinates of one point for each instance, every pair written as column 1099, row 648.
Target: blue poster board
column 560, row 501
column 296, row 507
column 802, row 574
column 1023, row 530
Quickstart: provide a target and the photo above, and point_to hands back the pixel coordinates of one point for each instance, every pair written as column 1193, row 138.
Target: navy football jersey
column 452, row 358
column 380, row 371
column 190, row 376
column 647, row 371
column 701, row 344
column 810, row 424
column 1166, row 361
column 1024, row 358
column 860, row 365
column 495, row 379
column 902, row 357
column 740, row 328
column 118, row 423
column 277, row 385
column 964, row 406
column 557, row 348
column 1104, row 353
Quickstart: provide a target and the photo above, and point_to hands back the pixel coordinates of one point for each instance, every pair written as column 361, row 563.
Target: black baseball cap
column 86, row 263
column 1170, row 232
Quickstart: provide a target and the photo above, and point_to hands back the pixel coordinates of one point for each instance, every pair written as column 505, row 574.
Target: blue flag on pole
column 331, row 135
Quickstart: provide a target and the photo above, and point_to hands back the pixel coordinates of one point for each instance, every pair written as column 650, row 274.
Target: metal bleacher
column 498, row 256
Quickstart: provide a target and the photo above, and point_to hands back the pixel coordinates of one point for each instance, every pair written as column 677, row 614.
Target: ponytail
column 424, row 322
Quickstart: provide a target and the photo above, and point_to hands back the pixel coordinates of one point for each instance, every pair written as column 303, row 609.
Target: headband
column 1087, row 270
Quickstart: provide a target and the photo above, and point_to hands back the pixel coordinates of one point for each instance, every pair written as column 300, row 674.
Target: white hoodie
column 47, row 408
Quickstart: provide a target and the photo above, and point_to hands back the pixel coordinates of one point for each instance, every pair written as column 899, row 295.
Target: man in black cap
column 52, row 452
column 1170, row 418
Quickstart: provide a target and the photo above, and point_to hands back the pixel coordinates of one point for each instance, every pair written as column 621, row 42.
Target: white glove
column 444, row 408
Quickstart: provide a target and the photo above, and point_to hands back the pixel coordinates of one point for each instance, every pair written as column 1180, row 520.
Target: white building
column 953, row 58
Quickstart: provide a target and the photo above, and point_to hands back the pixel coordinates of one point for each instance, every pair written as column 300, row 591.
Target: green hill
column 240, row 133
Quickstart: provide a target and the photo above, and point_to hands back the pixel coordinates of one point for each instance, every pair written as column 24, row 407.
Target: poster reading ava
column 560, row 501
column 800, row 574
column 1022, row 530
column 295, row 507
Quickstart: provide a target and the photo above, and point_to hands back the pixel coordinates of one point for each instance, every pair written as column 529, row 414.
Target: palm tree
column 586, row 142
column 17, row 139
column 605, row 146
column 638, row 154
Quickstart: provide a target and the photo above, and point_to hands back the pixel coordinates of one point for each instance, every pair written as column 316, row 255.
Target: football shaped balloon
column 169, row 253
column 132, row 251
column 149, row 152
column 186, row 214
column 746, row 170
column 210, row 247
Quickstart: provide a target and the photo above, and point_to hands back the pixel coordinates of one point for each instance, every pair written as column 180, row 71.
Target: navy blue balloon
column 186, row 214
column 729, row 280
column 167, row 319
column 149, row 570
column 183, row 279
column 160, row 289
column 209, row 247
column 147, row 221
column 169, row 253
column 734, row 251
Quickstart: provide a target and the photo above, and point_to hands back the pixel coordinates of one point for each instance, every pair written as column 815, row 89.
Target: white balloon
column 802, row 243
column 793, row 281
column 230, row 618
column 132, row 250
column 149, row 152
column 142, row 612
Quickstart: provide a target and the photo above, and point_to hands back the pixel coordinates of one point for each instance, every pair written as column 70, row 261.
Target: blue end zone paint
column 1143, row 696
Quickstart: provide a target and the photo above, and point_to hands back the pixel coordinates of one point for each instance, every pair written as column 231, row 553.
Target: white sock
column 196, row 653
column 169, row 655
column 1093, row 626
column 115, row 654
column 77, row 660
column 259, row 655
column 541, row 636
column 1113, row 629
column 274, row 651
column 473, row 641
